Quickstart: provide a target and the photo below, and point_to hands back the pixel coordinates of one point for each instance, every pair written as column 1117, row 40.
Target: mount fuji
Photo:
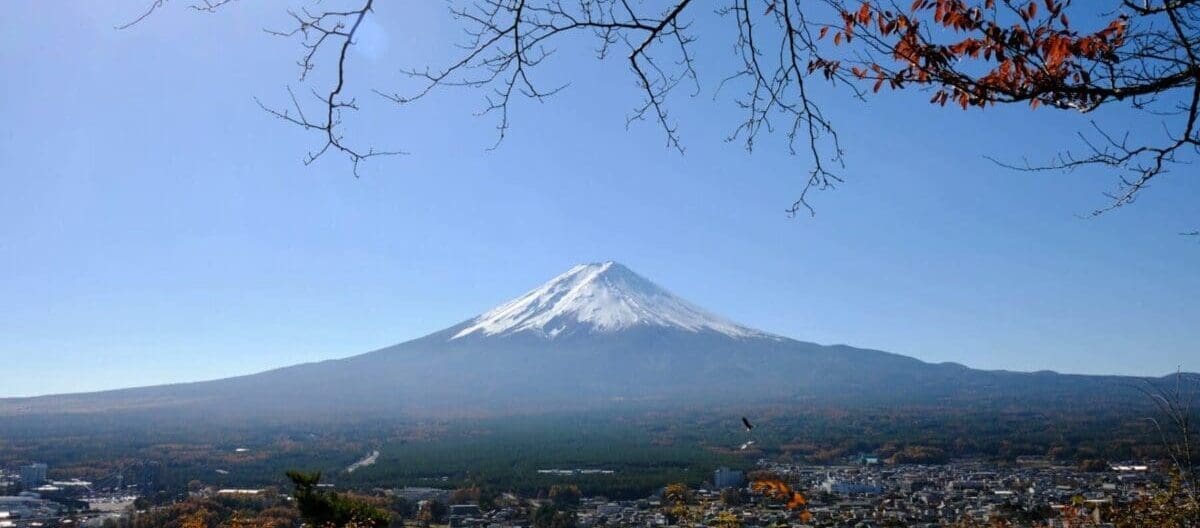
column 598, row 299
column 596, row 336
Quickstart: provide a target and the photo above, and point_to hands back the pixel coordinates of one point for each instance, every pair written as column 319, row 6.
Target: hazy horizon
column 451, row 324
column 156, row 226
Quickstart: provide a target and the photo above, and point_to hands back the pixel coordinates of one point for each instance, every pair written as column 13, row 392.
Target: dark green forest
column 643, row 450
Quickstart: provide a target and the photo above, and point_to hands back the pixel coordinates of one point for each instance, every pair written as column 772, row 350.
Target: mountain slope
column 598, row 298
column 598, row 335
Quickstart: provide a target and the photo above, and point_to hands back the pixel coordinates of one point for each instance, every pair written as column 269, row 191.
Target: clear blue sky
column 155, row 226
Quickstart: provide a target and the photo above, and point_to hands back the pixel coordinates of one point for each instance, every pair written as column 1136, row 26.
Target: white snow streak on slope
column 602, row 297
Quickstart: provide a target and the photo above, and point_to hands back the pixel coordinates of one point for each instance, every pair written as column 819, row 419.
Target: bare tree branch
column 317, row 30
column 1177, row 430
column 972, row 53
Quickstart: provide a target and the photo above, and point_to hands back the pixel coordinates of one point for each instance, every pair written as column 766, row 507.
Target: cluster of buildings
column 24, row 478
column 20, row 505
column 861, row 494
column 867, row 494
column 30, row 499
column 32, row 479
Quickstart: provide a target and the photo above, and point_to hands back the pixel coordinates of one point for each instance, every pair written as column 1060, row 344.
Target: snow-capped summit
column 598, row 298
column 598, row 336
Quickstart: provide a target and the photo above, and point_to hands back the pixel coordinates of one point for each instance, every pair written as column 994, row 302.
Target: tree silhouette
column 321, row 508
column 565, row 496
column 551, row 516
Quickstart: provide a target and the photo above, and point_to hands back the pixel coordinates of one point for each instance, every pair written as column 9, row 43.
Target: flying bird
column 749, row 429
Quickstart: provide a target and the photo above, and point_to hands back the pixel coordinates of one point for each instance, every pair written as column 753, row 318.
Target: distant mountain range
column 597, row 336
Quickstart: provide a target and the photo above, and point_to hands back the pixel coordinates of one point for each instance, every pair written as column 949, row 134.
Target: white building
column 724, row 477
column 843, row 487
column 33, row 475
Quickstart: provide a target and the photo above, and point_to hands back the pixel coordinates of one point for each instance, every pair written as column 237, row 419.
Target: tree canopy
column 1059, row 55
column 324, row 508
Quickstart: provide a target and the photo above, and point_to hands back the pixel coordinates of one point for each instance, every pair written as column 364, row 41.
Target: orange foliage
column 778, row 489
column 1038, row 58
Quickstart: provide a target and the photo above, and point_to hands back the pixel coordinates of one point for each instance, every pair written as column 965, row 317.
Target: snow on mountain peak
column 598, row 298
